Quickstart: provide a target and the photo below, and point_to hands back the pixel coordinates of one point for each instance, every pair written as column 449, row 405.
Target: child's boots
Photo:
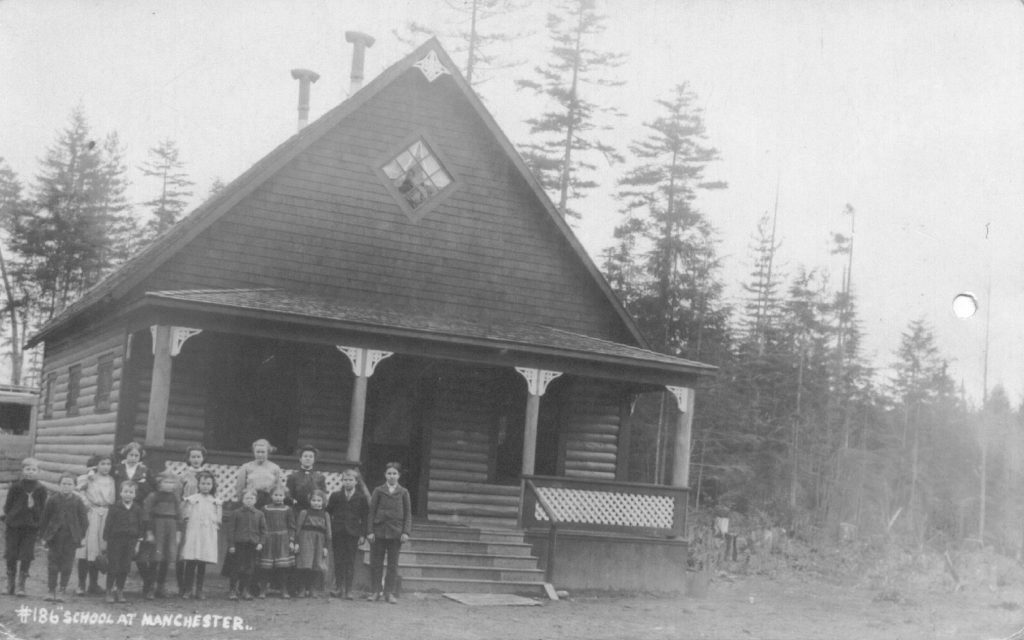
column 94, row 580
column 83, row 575
column 22, row 577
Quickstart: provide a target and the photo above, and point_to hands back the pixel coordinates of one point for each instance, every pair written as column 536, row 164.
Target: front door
column 399, row 399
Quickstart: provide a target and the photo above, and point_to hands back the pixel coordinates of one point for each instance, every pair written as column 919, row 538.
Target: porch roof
column 278, row 305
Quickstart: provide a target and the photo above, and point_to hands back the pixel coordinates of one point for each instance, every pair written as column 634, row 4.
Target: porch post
column 537, row 381
column 167, row 343
column 364, row 361
column 681, row 467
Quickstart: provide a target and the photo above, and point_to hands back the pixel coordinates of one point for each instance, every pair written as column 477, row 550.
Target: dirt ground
column 789, row 607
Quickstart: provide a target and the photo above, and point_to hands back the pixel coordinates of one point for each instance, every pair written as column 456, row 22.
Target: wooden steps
column 453, row 558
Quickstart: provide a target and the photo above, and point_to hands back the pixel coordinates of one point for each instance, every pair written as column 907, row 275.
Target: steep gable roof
column 135, row 270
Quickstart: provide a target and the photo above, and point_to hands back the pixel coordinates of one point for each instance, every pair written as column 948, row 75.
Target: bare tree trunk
column 563, row 198
column 16, row 353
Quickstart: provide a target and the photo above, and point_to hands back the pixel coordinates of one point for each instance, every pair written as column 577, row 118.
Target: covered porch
column 469, row 408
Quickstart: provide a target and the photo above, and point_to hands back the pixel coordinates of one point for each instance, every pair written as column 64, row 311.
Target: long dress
column 277, row 552
column 202, row 521
column 314, row 537
column 97, row 493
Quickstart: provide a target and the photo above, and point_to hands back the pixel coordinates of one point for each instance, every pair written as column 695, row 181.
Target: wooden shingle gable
column 326, row 224
column 297, row 168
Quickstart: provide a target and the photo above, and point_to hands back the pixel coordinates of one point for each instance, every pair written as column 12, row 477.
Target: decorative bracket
column 364, row 361
column 682, row 395
column 431, row 66
column 178, row 337
column 537, row 380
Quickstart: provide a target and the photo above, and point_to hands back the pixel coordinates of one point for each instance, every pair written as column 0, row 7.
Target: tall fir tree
column 66, row 241
column 682, row 300
column 922, row 392
column 173, row 185
column 120, row 219
column 566, row 136
column 762, row 308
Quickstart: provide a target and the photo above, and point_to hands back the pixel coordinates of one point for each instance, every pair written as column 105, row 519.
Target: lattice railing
column 227, row 477
column 604, row 505
column 608, row 508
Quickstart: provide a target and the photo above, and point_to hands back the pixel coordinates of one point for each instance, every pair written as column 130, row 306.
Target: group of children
column 277, row 539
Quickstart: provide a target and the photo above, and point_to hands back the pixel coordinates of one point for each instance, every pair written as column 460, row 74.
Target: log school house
column 390, row 283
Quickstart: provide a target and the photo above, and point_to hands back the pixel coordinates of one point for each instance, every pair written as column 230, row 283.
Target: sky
column 912, row 112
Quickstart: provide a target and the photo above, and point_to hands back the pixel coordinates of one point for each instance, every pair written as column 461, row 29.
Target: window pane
column 417, row 174
column 430, row 165
column 393, row 171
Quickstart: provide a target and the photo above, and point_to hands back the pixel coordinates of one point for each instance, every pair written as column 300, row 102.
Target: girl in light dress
column 195, row 456
column 98, row 490
column 202, row 522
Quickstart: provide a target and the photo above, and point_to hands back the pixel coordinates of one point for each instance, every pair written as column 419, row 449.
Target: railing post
column 549, row 566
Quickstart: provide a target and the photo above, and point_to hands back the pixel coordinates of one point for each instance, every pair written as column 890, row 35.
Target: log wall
column 325, row 399
column 324, row 396
column 65, row 442
column 463, row 423
column 186, row 412
column 592, row 429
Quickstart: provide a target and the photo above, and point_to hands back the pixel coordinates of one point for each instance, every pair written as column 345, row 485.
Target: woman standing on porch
column 390, row 524
column 259, row 474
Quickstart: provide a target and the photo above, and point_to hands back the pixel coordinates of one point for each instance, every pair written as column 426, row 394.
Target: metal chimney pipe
column 305, row 78
column 360, row 43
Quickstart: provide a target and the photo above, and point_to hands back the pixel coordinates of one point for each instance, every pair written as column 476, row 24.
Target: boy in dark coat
column 348, row 509
column 122, row 533
column 22, row 511
column 61, row 528
column 390, row 523
column 245, row 529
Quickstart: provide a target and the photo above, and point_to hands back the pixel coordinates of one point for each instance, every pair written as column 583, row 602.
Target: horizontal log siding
column 186, row 411
column 592, row 430
column 63, row 442
column 325, row 224
column 325, row 398
column 463, row 422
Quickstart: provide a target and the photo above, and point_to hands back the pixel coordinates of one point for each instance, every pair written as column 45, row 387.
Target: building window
column 416, row 176
column 74, row 387
column 51, row 380
column 104, row 382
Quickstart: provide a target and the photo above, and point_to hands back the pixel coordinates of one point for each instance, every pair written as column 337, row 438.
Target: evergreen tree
column 174, row 187
column 120, row 219
column 762, row 309
column 216, row 187
column 922, row 390
column 566, row 143
column 66, row 242
column 682, row 298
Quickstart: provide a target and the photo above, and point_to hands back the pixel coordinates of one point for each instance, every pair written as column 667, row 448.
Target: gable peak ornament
column 431, row 66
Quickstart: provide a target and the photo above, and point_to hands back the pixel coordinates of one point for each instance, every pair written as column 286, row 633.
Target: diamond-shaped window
column 417, row 175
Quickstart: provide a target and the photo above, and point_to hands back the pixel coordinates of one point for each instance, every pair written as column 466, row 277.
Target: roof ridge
column 140, row 266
